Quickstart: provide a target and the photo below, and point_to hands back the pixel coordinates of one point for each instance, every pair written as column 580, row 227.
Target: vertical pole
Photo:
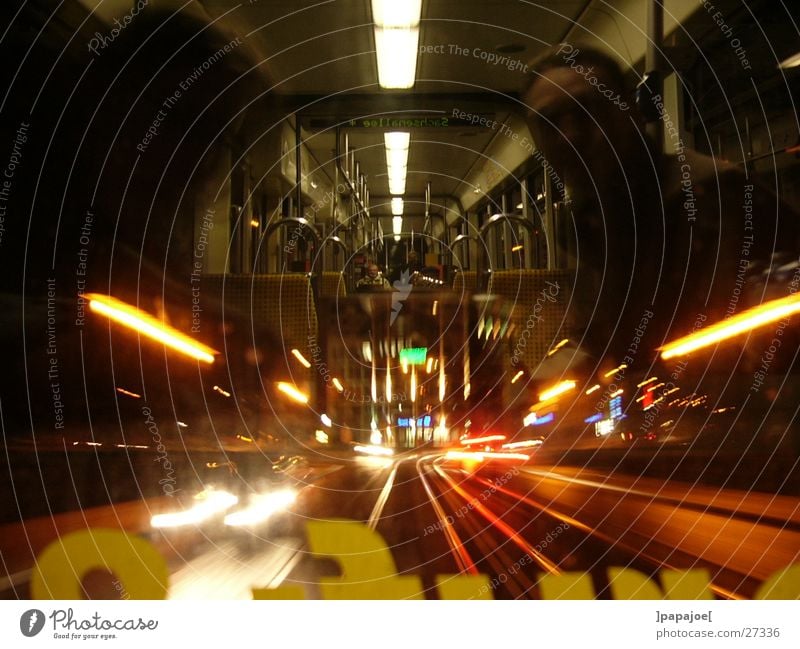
column 653, row 63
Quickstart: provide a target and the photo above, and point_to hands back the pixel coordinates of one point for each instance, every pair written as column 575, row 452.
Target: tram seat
column 281, row 302
column 332, row 284
column 528, row 292
column 466, row 280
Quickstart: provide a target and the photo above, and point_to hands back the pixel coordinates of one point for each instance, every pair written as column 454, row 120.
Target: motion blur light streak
column 292, row 392
column 745, row 322
column 373, row 450
column 558, row 346
column 127, row 393
column 556, row 390
column 263, row 506
column 299, row 356
column 483, row 440
column 619, row 368
column 523, row 444
column 210, row 502
column 147, row 325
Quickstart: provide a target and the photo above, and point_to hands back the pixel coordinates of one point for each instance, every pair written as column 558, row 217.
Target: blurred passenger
column 405, row 272
column 660, row 238
column 373, row 281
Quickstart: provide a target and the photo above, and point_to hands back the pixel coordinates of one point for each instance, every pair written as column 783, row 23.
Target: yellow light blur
column 517, row 376
column 254, row 223
column 646, row 381
column 413, row 383
column 148, row 326
column 209, row 502
column 464, row 455
column 556, row 390
column 292, row 392
column 337, row 384
column 373, row 450
column 224, row 393
column 615, row 370
column 321, row 436
column 594, row 388
column 261, row 508
column 483, row 440
column 429, row 364
column 745, row 322
column 516, row 248
column 558, row 346
column 296, row 353
column 523, row 444
column 244, row 438
column 616, row 394
column 434, row 308
column 128, row 393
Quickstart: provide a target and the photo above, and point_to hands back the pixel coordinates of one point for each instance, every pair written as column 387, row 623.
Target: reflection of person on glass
column 666, row 233
column 373, row 281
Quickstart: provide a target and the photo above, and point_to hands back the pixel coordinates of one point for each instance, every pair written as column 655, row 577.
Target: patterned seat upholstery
column 538, row 299
column 466, row 280
column 282, row 303
column 332, row 284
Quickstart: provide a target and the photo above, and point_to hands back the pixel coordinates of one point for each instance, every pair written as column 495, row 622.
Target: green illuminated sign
column 414, row 355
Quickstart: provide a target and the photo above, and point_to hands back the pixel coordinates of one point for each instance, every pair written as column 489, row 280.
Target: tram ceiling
column 312, row 47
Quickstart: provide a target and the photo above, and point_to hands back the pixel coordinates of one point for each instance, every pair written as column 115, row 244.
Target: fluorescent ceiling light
column 397, row 206
column 397, row 144
column 396, row 50
column 397, row 186
column 391, row 13
column 396, row 41
column 397, row 224
column 397, row 158
column 397, row 139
